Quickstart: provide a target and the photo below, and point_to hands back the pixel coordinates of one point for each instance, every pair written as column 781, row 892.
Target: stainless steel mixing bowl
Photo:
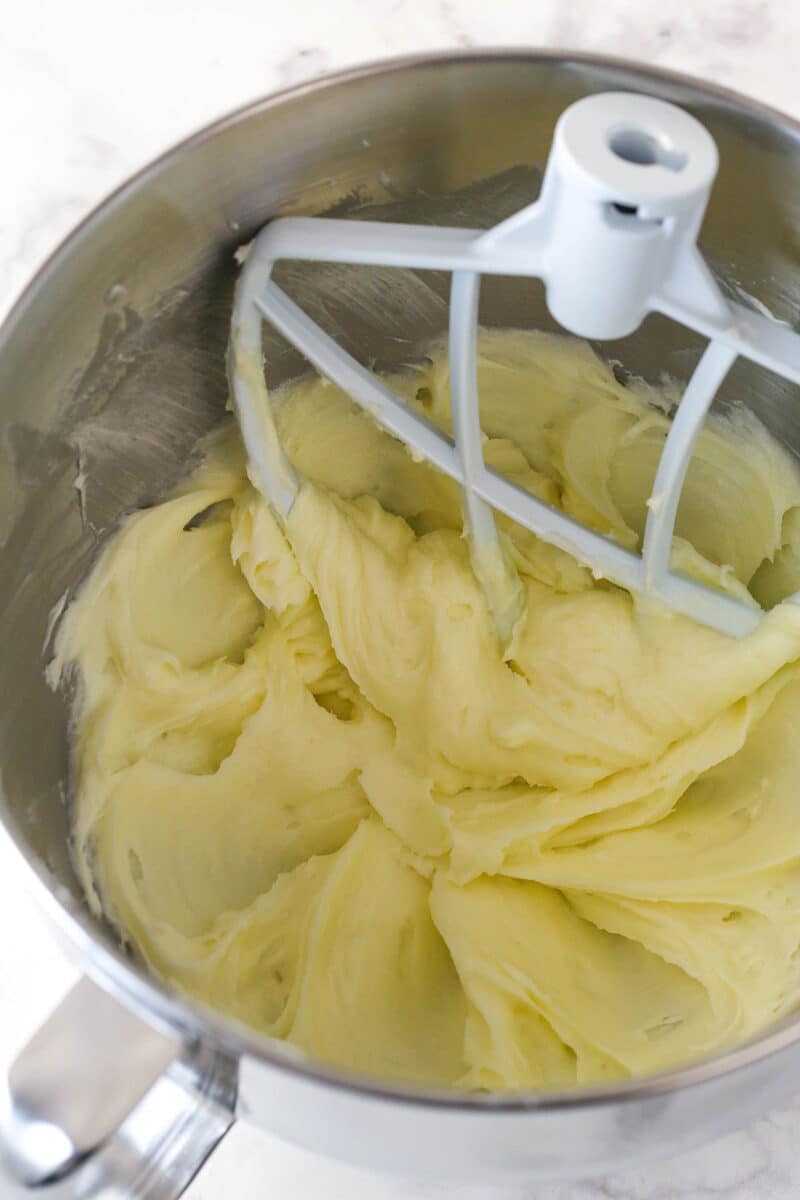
column 111, row 367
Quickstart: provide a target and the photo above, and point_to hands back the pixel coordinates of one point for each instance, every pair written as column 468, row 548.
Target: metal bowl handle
column 100, row 1104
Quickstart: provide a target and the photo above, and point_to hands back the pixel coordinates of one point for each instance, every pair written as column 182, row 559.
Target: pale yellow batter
column 316, row 792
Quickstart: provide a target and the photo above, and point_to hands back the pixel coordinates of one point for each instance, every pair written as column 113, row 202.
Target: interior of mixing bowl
column 113, row 364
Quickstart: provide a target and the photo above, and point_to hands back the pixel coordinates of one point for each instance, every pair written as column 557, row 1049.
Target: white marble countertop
column 88, row 93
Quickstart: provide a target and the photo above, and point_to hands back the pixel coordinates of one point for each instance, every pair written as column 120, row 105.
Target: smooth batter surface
column 317, row 793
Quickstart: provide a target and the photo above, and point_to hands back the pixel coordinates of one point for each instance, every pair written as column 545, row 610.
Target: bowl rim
column 153, row 1000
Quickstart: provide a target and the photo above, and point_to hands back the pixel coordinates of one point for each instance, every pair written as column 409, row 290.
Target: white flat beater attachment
column 613, row 237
